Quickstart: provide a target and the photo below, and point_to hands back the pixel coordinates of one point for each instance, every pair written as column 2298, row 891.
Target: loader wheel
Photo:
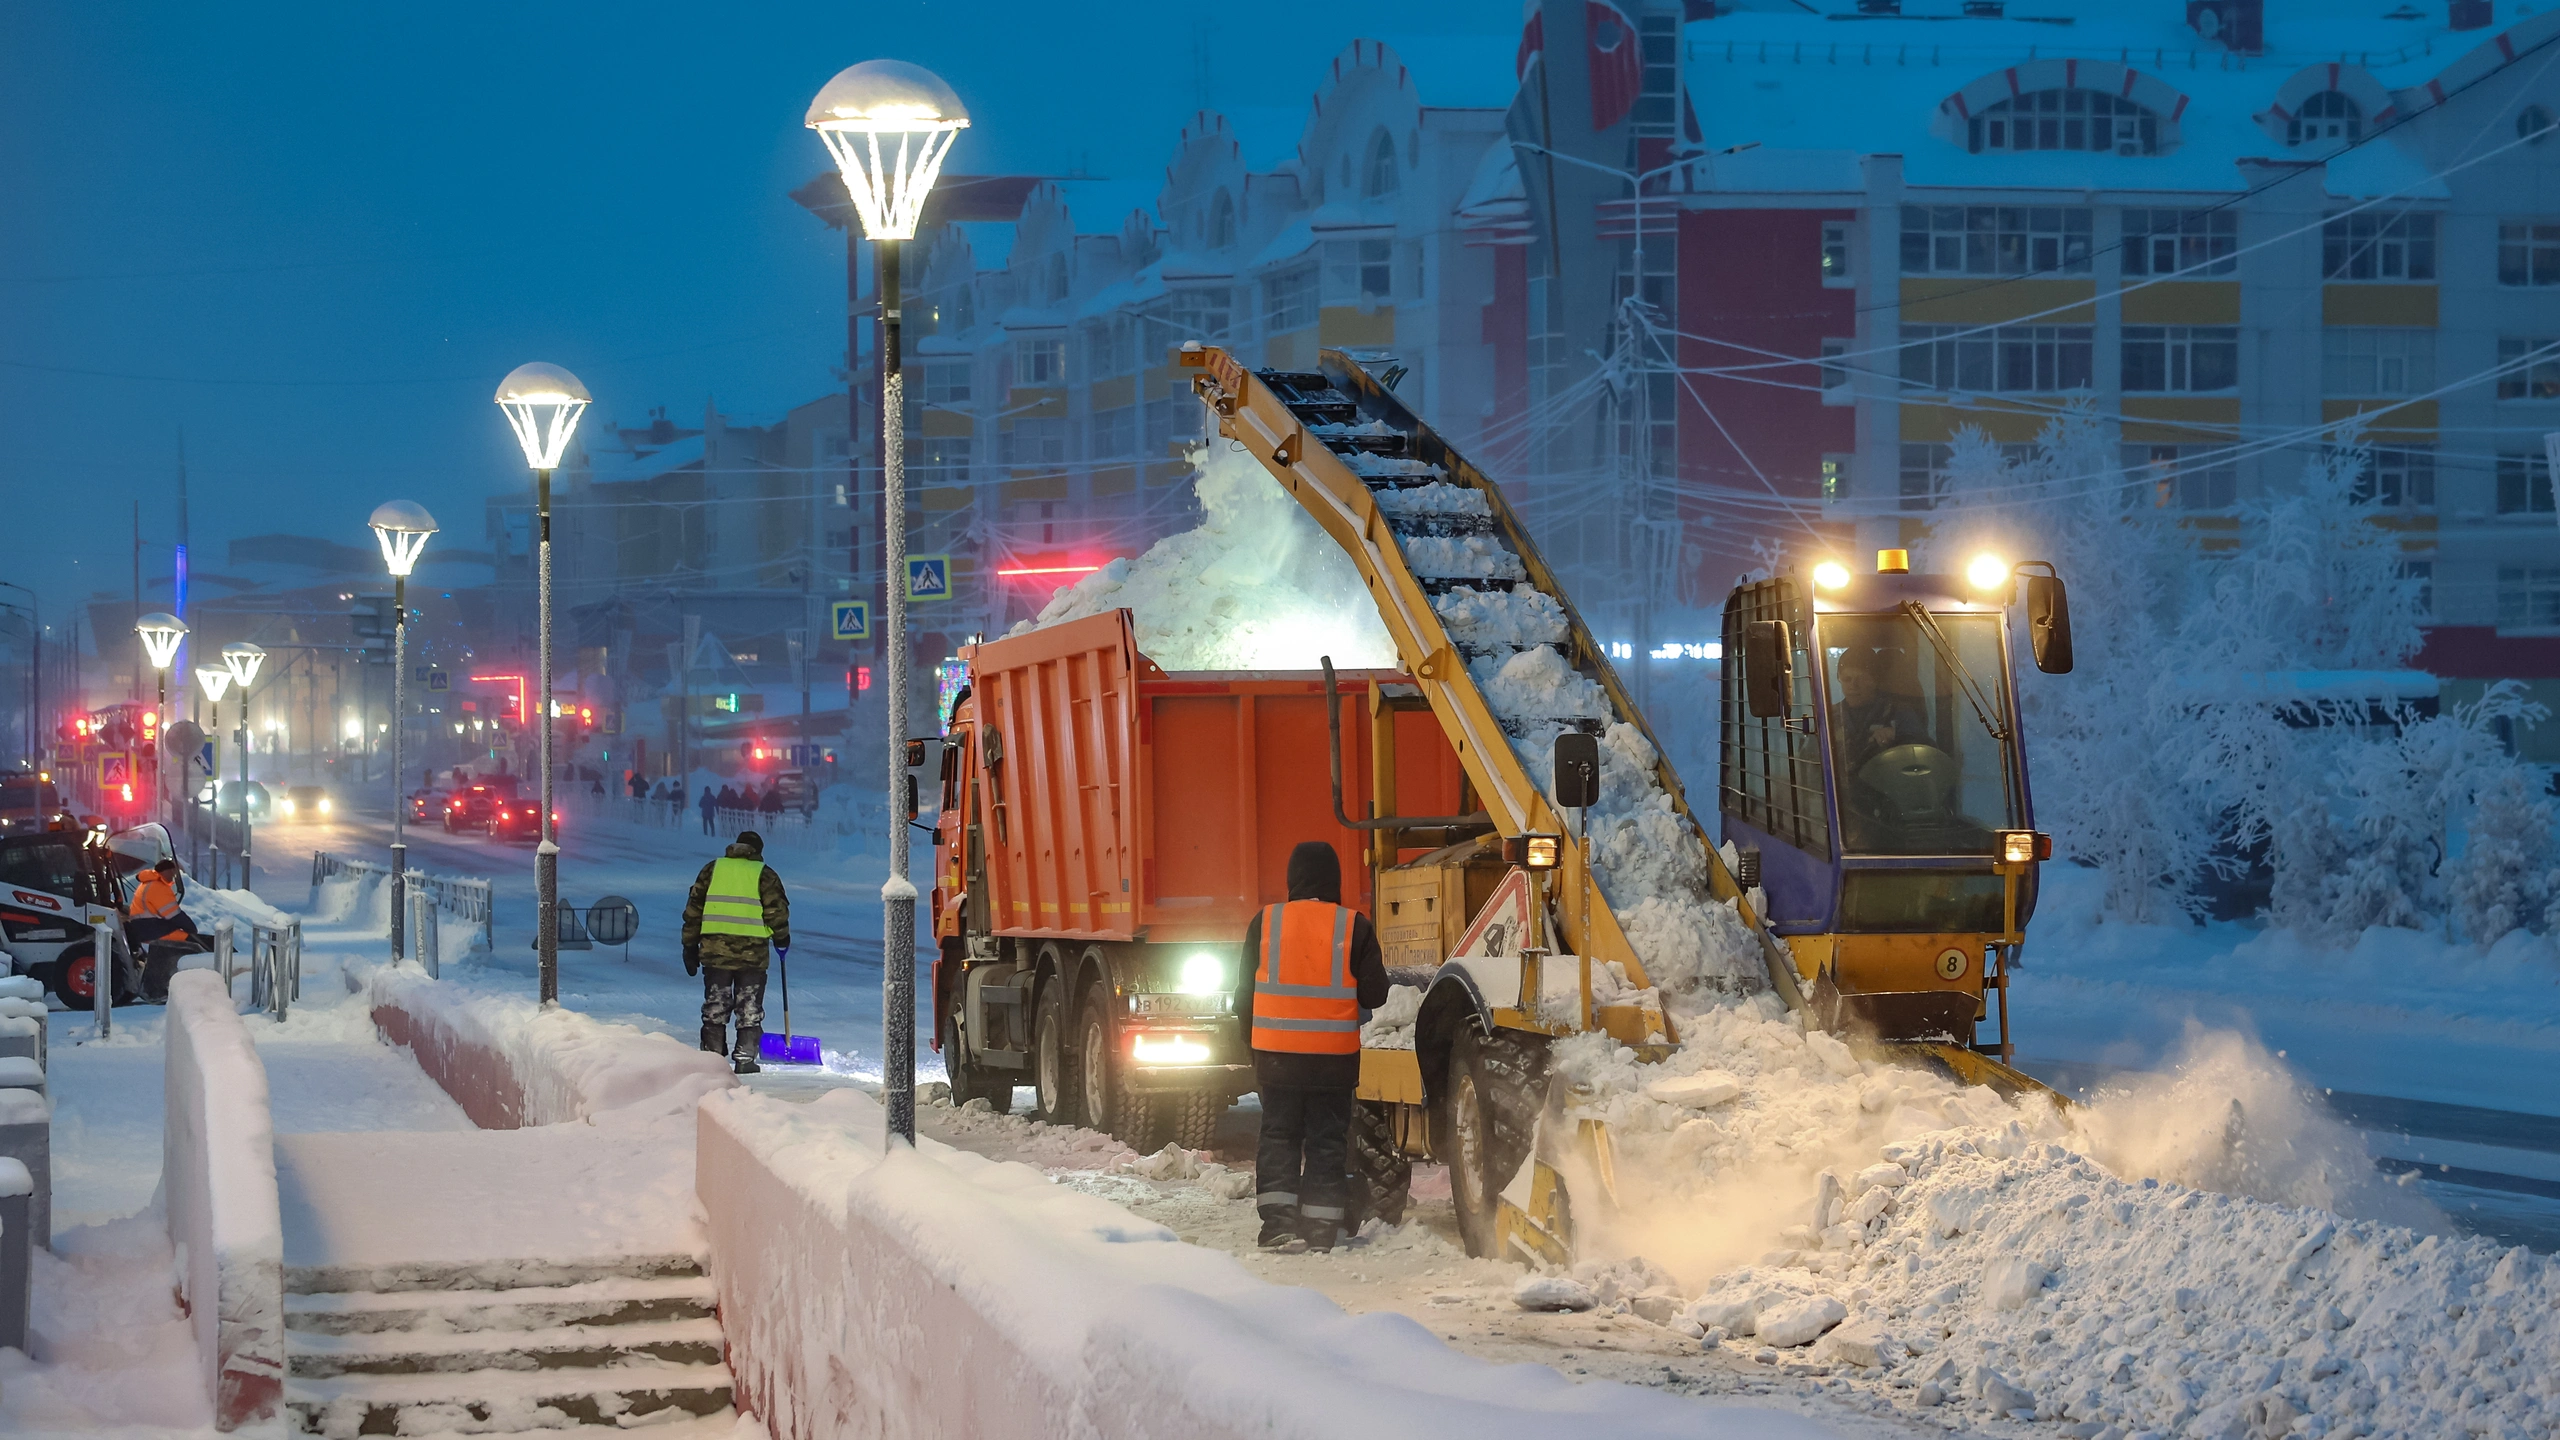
column 1110, row 1106
column 1191, row 1116
column 1381, row 1173
column 1055, row 1074
column 972, row 1082
column 1484, row 1123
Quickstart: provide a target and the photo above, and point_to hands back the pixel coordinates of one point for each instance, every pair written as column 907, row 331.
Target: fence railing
column 430, row 898
column 793, row 828
column 275, row 966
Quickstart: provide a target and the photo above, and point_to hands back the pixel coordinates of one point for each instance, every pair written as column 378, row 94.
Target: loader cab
column 1872, row 774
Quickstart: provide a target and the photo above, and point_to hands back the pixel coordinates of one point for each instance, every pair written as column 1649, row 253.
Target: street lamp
column 215, row 681
column 889, row 124
column 161, row 635
column 242, row 659
column 543, row 403
column 403, row 527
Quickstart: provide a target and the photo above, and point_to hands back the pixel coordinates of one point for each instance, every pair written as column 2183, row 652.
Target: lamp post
column 889, row 125
column 242, row 659
column 161, row 635
column 403, row 527
column 543, row 403
column 215, row 681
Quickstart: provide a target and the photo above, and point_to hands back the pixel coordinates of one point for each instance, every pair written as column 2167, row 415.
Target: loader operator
column 735, row 918
column 154, row 913
column 1312, row 974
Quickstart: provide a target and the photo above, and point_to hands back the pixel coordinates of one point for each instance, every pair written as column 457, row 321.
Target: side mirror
column 1577, row 763
column 1768, row 668
column 911, row 797
column 2049, row 623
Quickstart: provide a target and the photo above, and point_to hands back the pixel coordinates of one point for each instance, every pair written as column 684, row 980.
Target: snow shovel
column 786, row 1048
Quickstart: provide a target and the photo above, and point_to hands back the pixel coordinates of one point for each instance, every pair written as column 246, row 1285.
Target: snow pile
column 507, row 1061
column 1256, row 587
column 111, row 1345
column 1391, row 1026
column 218, row 1183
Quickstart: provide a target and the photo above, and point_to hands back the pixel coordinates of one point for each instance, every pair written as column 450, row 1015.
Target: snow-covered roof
column 609, row 466
column 1815, row 91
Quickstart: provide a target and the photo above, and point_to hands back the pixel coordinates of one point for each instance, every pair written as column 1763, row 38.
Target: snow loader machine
column 1872, row 785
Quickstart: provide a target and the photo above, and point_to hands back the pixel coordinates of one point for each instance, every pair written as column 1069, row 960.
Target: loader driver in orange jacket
column 1312, row 974
column 154, row 913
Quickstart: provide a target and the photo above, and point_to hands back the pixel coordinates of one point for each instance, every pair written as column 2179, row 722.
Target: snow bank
column 508, row 1062
column 864, row 1293
column 1256, row 587
column 218, row 1180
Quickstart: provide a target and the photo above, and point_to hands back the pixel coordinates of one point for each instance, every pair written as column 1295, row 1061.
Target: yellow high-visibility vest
column 733, row 905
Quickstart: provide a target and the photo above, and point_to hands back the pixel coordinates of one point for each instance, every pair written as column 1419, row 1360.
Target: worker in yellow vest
column 734, row 920
column 1312, row 974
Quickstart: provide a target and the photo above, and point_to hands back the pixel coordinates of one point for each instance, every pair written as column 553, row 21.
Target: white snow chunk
column 1861, row 1342
column 1885, row 1174
column 1835, row 1057
column 1391, row 1026
column 1702, row 1091
column 1733, row 1310
column 1553, row 1292
column 1798, row 1319
column 2010, row 1281
column 897, row 887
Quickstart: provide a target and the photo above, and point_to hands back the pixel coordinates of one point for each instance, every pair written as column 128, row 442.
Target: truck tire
column 1191, row 1117
column 972, row 1082
column 1381, row 1173
column 1055, row 1073
column 1483, row 1125
column 1137, row 1120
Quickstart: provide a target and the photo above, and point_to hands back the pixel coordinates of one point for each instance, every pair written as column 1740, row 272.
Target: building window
column 2181, row 242
column 2182, row 477
column 2399, row 478
column 2327, row 115
column 1359, row 272
column 1835, row 478
column 2375, row 245
column 1039, row 362
column 2528, row 253
column 1115, row 433
column 1200, row 314
column 2181, row 358
column 2067, row 120
column 2376, row 361
column 1659, row 36
column 2014, row 359
column 1380, row 179
column 1289, row 301
column 1034, row 442
column 1924, row 471
column 2528, row 369
column 946, row 383
column 1109, row 348
column 1054, row 279
column 2422, row 575
column 2524, row 484
column 943, row 459
column 1835, row 253
column 2529, row 597
column 1168, row 426
column 1222, row 220
column 1994, row 240
column 1836, row 389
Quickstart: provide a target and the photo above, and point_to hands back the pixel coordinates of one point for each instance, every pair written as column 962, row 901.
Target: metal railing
column 275, row 966
column 431, row 896
column 793, row 828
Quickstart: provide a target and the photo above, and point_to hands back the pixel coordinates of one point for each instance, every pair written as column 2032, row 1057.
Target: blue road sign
column 439, row 680
column 853, row 619
column 928, row 577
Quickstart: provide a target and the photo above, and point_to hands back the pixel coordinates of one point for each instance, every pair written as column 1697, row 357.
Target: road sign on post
column 439, row 679
column 852, row 619
column 928, row 577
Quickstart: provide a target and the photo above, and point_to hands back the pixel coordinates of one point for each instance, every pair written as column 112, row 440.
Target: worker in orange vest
column 154, row 913
column 1312, row 974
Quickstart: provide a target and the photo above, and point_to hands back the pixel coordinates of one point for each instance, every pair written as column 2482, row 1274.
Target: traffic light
column 586, row 719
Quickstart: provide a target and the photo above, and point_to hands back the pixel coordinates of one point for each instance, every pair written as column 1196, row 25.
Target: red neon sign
column 521, row 710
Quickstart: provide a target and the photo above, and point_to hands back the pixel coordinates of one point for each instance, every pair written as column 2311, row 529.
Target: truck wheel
column 1191, row 1116
column 1381, row 1173
column 972, row 1082
column 1135, row 1119
column 1484, row 1123
column 1055, row 1073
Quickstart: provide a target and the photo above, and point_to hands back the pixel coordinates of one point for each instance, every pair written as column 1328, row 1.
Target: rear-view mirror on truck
column 2048, row 621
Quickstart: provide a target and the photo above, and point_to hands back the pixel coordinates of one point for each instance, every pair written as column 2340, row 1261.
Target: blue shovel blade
column 792, row 1050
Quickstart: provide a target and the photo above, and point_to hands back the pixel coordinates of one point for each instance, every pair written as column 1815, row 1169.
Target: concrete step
column 621, row 1300
column 568, row 1347
column 488, row 1402
column 511, row 1274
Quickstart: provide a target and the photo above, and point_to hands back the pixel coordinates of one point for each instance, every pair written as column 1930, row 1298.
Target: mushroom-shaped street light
column 161, row 634
column 403, row 527
column 889, row 124
column 543, row 403
column 242, row 659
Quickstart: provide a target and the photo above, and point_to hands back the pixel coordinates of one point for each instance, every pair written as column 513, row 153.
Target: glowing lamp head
column 888, row 124
column 1831, row 575
column 543, row 403
column 403, row 527
column 1987, row 572
column 215, row 681
column 161, row 632
column 242, row 659
column 1534, row 852
column 1893, row 562
column 2021, row 847
column 1203, row 974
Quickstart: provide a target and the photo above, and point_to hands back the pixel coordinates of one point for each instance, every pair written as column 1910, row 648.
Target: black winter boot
column 750, row 1044
column 715, row 1039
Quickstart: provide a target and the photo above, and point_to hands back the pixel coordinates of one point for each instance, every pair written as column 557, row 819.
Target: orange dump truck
column 1108, row 828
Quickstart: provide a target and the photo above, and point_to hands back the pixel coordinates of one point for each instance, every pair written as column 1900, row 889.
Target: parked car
column 797, row 793
column 304, row 802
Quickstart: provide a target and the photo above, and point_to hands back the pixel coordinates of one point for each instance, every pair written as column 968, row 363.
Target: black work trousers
column 1302, row 1170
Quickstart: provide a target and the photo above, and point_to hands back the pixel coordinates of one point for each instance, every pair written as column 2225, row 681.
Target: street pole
column 399, row 802
column 241, row 738
column 898, row 895
column 546, row 856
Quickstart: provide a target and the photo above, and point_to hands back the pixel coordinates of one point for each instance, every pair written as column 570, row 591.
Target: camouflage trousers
column 732, row 993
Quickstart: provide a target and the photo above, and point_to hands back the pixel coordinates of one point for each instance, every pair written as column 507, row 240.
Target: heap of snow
column 1256, row 587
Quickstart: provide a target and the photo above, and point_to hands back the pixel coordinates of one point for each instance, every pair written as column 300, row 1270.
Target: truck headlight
column 286, row 806
column 1167, row 1050
column 1534, row 852
column 2019, row 847
column 1203, row 974
column 324, row 807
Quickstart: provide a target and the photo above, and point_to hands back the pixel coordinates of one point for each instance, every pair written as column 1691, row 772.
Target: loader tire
column 1191, row 1116
column 1484, row 1123
column 968, row 1081
column 1055, row 1073
column 1381, row 1173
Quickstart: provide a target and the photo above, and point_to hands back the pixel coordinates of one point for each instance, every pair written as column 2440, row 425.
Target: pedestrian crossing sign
column 928, row 577
column 852, row 619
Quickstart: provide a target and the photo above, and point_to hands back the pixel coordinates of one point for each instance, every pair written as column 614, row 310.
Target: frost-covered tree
column 2505, row 880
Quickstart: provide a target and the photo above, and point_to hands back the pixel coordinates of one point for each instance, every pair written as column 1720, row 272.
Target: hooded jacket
column 739, row 952
column 1315, row 873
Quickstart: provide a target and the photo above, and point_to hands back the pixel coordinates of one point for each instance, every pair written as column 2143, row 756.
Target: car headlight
column 1203, row 974
column 324, row 807
column 286, row 806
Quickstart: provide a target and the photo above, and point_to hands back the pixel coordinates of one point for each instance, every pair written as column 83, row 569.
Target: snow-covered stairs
column 472, row 1349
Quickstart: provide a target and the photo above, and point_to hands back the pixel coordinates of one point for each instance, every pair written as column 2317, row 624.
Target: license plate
column 1177, row 1004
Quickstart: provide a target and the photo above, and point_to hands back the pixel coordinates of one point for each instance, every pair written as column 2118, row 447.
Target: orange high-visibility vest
column 1304, row 999
column 154, row 898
